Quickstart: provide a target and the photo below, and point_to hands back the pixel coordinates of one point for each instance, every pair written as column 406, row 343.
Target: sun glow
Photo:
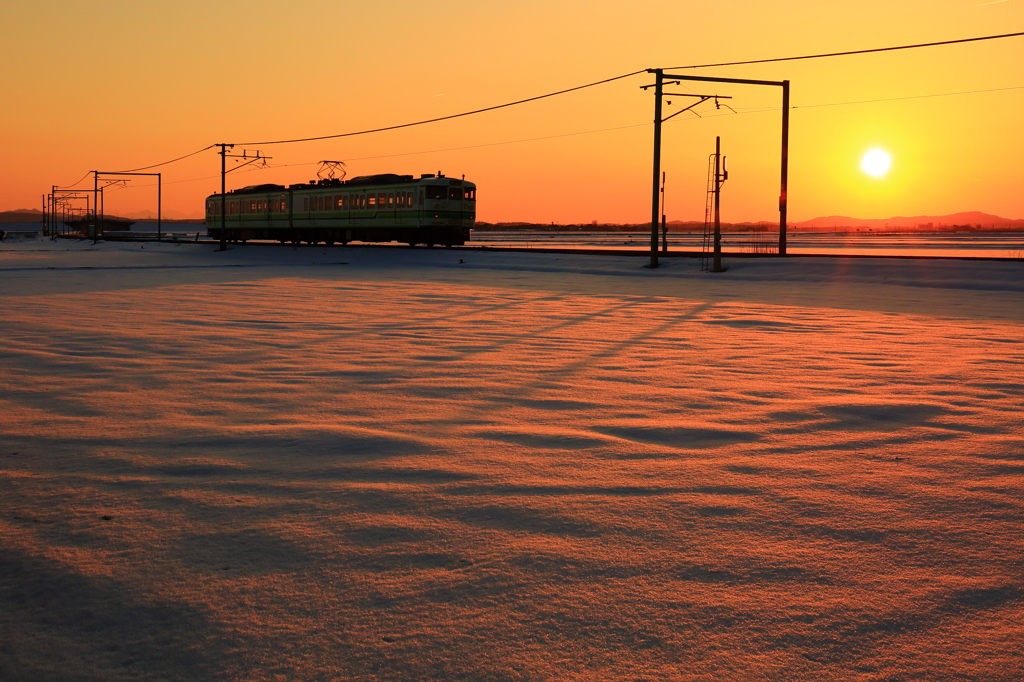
column 876, row 162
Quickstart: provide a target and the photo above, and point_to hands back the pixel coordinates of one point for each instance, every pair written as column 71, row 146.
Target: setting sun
column 875, row 162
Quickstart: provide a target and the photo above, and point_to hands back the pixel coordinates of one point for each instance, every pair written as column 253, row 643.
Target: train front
column 449, row 206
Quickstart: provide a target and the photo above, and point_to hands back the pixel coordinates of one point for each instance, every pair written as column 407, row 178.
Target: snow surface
column 384, row 464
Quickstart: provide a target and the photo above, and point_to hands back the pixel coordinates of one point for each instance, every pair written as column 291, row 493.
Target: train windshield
column 435, row 192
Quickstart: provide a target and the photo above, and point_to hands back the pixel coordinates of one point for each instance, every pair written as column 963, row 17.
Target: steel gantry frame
column 99, row 193
column 60, row 202
column 660, row 78
column 224, row 156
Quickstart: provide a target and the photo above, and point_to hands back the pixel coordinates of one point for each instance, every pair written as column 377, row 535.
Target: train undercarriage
column 429, row 236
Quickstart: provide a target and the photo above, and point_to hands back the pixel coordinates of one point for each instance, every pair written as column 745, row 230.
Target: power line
column 590, row 85
column 894, row 99
column 445, row 118
column 75, row 183
column 157, row 165
column 742, row 111
column 849, row 52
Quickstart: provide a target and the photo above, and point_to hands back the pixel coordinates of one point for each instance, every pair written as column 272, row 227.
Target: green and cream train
column 429, row 210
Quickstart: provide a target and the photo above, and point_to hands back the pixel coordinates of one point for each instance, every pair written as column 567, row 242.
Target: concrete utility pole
column 721, row 175
column 223, row 194
column 658, row 93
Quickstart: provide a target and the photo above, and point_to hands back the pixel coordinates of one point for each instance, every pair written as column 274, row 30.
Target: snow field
column 263, row 464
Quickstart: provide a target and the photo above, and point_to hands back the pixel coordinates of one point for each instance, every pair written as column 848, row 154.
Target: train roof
column 359, row 181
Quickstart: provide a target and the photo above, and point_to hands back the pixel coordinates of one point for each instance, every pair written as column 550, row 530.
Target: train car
column 431, row 209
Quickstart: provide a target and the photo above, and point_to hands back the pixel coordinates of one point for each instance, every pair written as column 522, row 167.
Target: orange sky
column 114, row 85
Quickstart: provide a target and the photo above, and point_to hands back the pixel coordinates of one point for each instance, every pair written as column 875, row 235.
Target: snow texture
column 274, row 463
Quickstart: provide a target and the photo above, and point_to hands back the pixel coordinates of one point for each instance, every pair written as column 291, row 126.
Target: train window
column 455, row 194
column 470, row 195
column 372, row 200
column 382, row 199
column 434, row 192
column 391, row 200
column 305, row 203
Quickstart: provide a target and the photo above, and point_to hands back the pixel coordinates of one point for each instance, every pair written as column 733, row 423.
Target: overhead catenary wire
column 60, row 187
column 444, row 118
column 581, row 87
column 627, row 75
column 157, row 165
column 849, row 52
column 742, row 111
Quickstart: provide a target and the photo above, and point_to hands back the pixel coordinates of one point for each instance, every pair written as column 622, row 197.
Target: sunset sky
column 114, row 85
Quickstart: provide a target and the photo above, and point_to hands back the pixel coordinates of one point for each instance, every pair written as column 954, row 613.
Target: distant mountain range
column 922, row 222
column 34, row 215
column 974, row 219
